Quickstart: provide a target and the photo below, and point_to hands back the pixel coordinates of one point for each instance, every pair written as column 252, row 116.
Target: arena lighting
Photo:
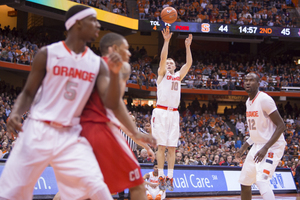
column 282, row 98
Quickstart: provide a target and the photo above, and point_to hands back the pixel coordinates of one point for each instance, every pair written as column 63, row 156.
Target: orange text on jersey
column 252, row 114
column 75, row 73
column 177, row 78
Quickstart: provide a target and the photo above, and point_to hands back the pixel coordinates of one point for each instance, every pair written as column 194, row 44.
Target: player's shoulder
column 264, row 96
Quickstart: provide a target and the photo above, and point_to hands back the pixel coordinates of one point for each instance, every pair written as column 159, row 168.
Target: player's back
column 67, row 85
column 261, row 127
column 168, row 90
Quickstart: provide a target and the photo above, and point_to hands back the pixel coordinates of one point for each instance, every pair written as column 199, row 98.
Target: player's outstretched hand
column 166, row 34
column 114, row 62
column 259, row 156
column 151, row 154
column 146, row 138
column 14, row 124
column 188, row 40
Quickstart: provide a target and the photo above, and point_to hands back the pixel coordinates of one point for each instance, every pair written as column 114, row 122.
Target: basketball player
column 151, row 180
column 266, row 127
column 117, row 162
column 66, row 73
column 165, row 117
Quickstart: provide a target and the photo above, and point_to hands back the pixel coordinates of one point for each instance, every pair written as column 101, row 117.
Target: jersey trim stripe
column 67, row 48
column 255, row 97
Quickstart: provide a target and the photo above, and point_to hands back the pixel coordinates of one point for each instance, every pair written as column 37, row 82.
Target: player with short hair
column 151, row 182
column 116, row 160
column 266, row 127
column 165, row 117
column 66, row 73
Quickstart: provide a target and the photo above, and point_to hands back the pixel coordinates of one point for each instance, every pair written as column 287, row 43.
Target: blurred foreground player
column 122, row 171
column 266, row 127
column 66, row 73
column 102, row 129
column 165, row 117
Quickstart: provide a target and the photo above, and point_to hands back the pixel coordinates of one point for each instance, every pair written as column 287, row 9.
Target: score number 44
column 223, row 28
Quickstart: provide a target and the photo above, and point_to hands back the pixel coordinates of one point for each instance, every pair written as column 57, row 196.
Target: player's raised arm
column 27, row 95
column 189, row 60
column 164, row 52
column 108, row 85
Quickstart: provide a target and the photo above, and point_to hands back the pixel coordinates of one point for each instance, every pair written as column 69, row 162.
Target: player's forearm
column 279, row 130
column 113, row 94
column 22, row 104
column 164, row 51
column 122, row 115
column 245, row 146
column 189, row 59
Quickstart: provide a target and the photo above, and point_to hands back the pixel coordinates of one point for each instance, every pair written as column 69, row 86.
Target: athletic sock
column 161, row 172
column 170, row 173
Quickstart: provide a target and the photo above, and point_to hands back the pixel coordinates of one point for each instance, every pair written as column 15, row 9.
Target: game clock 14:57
column 230, row 29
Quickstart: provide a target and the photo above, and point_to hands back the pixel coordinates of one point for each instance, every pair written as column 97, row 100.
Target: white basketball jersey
column 152, row 178
column 260, row 125
column 67, row 85
column 168, row 90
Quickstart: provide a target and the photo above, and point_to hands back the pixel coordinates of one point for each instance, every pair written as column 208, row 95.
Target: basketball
column 168, row 15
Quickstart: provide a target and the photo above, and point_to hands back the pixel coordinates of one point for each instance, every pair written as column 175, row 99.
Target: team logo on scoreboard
column 205, row 28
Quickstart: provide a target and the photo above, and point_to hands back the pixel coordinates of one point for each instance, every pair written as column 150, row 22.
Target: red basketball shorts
column 117, row 162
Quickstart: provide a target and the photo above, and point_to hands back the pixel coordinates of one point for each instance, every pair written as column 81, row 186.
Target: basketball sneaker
column 170, row 184
column 162, row 183
column 158, row 197
column 149, row 197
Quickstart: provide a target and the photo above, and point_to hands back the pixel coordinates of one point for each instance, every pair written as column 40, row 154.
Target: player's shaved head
column 109, row 40
column 255, row 76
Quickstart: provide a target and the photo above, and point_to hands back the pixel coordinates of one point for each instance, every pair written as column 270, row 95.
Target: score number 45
column 286, row 31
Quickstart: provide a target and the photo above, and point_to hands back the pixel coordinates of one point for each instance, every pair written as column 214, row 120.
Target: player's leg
column 266, row 169
column 76, row 169
column 171, row 163
column 265, row 190
column 172, row 143
column 246, row 193
column 159, row 131
column 27, row 161
column 248, row 174
column 160, row 157
column 135, row 192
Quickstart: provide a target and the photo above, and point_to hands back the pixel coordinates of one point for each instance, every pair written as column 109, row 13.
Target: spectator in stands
column 143, row 158
column 230, row 85
column 216, row 84
column 229, row 162
column 240, row 126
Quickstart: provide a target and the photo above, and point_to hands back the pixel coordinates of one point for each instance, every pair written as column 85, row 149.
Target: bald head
column 255, row 76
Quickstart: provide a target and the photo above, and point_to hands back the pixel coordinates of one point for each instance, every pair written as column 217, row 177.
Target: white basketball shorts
column 70, row 155
column 264, row 170
column 165, row 127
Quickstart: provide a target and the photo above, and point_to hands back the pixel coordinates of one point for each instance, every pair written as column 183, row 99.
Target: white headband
column 79, row 16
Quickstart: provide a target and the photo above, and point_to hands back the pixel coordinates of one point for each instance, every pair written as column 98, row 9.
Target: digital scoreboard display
column 192, row 27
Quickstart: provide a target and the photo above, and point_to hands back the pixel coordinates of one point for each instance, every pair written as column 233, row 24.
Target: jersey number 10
column 174, row 86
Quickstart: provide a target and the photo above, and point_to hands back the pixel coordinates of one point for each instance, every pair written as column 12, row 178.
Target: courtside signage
column 102, row 15
column 186, row 181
